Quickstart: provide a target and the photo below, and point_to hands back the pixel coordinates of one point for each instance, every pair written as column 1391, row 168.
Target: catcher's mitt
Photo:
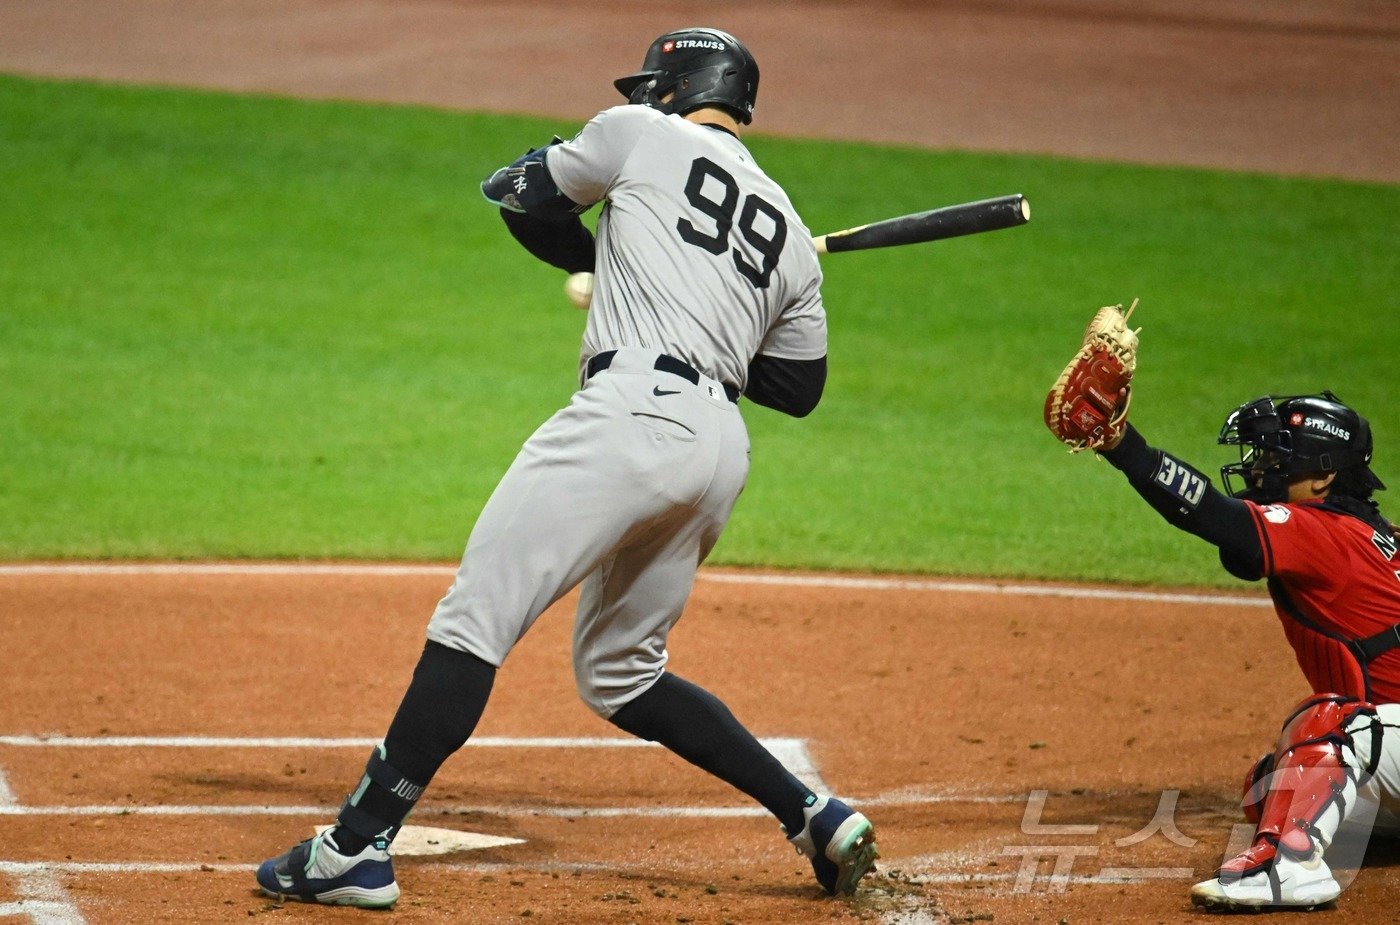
column 1088, row 406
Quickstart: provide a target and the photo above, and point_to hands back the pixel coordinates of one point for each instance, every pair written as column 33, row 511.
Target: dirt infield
column 942, row 708
column 1288, row 86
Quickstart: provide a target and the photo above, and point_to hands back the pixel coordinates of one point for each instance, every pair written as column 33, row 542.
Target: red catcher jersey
column 1331, row 576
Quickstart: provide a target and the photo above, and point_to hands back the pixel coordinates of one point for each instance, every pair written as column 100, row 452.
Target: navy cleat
column 840, row 843
column 316, row 872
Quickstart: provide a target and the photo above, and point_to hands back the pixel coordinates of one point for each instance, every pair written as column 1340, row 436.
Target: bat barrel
column 934, row 225
column 974, row 217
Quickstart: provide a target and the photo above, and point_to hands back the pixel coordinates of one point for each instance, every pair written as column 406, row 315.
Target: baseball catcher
column 1298, row 513
column 707, row 288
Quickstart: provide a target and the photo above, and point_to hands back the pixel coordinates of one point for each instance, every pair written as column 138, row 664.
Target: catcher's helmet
column 702, row 67
column 1283, row 438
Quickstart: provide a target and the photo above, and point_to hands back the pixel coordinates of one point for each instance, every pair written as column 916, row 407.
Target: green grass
column 245, row 326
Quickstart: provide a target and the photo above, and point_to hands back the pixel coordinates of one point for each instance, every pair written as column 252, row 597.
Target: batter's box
column 194, row 775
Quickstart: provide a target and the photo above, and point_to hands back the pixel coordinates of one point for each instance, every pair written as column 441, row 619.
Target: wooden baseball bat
column 934, row 225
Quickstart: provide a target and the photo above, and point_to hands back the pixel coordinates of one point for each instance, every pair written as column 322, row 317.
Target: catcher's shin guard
column 1302, row 791
column 1256, row 787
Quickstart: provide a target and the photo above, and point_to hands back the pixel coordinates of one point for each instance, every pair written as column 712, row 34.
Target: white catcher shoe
column 1283, row 884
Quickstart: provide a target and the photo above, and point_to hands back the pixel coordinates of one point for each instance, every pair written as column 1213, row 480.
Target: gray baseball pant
column 626, row 490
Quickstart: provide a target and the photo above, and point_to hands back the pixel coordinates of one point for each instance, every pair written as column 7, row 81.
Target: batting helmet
column 1283, row 438
column 701, row 67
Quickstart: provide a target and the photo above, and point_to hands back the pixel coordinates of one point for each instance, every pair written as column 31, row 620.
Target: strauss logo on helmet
column 696, row 43
column 1327, row 427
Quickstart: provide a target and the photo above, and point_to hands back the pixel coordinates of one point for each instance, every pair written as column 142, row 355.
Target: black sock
column 440, row 709
column 694, row 724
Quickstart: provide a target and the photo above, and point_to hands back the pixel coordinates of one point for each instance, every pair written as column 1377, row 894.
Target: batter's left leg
column 698, row 727
column 349, row 864
column 625, row 613
column 627, row 610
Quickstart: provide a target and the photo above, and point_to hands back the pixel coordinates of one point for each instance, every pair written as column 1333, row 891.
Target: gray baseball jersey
column 700, row 254
column 700, row 257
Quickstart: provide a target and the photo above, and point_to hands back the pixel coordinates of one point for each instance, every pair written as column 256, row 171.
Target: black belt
column 666, row 364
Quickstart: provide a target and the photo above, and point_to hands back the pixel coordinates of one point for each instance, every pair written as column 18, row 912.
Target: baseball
column 579, row 288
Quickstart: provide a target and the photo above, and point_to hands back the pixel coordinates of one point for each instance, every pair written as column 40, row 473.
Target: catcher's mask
column 701, row 67
column 1282, row 438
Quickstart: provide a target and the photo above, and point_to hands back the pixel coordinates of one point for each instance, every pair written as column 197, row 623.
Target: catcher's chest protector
column 1337, row 593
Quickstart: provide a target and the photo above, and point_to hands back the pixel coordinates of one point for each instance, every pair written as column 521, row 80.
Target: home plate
column 422, row 840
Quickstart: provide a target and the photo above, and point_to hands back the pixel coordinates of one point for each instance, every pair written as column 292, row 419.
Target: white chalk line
column 733, row 578
column 24, row 868
column 1109, row 876
column 793, row 753
column 348, row 569
column 975, row 587
column 796, row 748
column 73, row 868
column 7, row 795
column 42, row 898
column 924, row 913
column 560, row 812
column 899, row 798
column 1145, row 874
column 42, row 912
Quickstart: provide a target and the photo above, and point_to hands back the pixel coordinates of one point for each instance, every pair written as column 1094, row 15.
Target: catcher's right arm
column 1087, row 408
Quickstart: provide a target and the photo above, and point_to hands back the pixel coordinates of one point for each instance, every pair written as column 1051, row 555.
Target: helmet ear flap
column 650, row 91
column 641, row 93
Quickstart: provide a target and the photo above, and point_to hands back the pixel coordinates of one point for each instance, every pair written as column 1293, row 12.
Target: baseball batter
column 1299, row 513
column 707, row 288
